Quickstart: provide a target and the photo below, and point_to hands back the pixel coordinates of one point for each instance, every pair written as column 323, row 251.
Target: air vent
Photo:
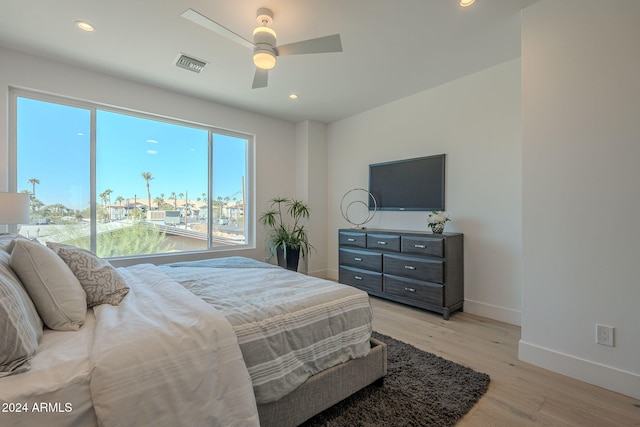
column 190, row 63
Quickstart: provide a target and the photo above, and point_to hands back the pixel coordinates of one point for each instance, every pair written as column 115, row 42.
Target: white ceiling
column 392, row 48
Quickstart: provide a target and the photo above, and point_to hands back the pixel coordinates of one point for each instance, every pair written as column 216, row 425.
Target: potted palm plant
column 288, row 238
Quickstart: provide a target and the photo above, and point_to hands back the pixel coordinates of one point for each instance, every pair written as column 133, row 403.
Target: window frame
column 93, row 107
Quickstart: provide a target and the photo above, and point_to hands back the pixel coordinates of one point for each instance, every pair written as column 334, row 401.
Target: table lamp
column 14, row 208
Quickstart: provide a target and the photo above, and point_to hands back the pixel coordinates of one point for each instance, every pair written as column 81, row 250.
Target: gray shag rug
column 420, row 389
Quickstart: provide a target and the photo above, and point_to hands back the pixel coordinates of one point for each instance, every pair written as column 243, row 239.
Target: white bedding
column 289, row 326
column 187, row 371
column 59, row 374
column 163, row 357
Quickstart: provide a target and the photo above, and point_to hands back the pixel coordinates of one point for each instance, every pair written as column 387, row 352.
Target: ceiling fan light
column 264, row 59
column 264, row 30
column 465, row 3
column 264, row 35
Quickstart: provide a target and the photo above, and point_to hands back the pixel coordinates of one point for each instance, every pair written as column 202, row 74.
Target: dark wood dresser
column 421, row 269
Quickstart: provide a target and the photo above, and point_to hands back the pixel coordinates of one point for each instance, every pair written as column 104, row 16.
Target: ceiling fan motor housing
column 264, row 16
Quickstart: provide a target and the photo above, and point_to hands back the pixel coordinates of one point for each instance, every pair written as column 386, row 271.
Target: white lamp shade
column 264, row 59
column 14, row 208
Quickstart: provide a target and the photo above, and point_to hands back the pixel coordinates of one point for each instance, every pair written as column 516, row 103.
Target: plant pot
column 291, row 261
column 437, row 228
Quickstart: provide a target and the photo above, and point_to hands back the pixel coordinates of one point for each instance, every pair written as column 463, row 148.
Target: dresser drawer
column 415, row 290
column 361, row 259
column 430, row 270
column 352, row 238
column 367, row 280
column 385, row 242
column 422, row 246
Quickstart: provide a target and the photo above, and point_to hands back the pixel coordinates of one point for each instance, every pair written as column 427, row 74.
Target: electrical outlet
column 604, row 335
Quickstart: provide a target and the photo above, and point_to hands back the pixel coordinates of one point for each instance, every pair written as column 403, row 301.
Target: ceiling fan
column 264, row 46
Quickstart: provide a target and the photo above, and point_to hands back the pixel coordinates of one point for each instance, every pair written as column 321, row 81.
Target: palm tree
column 173, row 196
column 147, row 176
column 120, row 199
column 59, row 208
column 36, row 204
column 159, row 201
column 104, row 196
column 108, row 192
column 33, row 182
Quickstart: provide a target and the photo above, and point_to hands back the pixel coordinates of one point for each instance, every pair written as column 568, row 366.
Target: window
column 124, row 184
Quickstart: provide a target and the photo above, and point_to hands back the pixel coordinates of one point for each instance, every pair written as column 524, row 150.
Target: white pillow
column 99, row 279
column 52, row 286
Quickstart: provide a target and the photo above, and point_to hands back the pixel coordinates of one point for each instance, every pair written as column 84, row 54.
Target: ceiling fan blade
column 325, row 44
column 207, row 23
column 260, row 79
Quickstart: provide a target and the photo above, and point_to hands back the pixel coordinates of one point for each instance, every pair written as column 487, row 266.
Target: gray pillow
column 53, row 288
column 20, row 326
column 6, row 240
column 101, row 282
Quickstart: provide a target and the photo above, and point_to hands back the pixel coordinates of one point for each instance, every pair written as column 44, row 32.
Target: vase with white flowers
column 437, row 220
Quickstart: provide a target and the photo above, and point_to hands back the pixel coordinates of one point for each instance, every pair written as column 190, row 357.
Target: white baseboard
column 614, row 379
column 495, row 312
column 322, row 274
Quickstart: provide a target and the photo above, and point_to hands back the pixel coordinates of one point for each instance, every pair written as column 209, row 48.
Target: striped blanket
column 289, row 325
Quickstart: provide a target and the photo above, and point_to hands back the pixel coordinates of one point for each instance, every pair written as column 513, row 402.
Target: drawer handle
column 420, row 246
column 382, row 242
column 409, row 267
column 409, row 289
column 357, row 277
column 351, row 239
column 357, row 259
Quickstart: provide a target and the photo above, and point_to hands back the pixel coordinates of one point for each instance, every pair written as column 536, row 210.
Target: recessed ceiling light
column 85, row 26
column 465, row 3
column 293, row 96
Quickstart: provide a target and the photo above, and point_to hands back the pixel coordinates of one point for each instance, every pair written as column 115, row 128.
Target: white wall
column 581, row 197
column 311, row 181
column 476, row 122
column 275, row 139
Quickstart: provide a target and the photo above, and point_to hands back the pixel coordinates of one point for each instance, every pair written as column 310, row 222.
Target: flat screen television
column 408, row 185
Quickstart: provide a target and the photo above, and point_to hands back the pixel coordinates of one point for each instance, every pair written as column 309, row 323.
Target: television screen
column 408, row 185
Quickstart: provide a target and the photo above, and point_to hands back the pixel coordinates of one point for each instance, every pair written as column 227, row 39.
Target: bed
column 229, row 342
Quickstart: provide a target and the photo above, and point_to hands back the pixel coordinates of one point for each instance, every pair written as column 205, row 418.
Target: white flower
column 438, row 217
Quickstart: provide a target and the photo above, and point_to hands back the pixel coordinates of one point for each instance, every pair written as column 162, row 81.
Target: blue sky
column 54, row 147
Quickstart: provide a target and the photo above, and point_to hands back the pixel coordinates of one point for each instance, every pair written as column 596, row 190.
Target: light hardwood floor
column 520, row 394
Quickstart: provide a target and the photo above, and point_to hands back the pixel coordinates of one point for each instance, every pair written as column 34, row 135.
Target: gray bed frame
column 325, row 389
